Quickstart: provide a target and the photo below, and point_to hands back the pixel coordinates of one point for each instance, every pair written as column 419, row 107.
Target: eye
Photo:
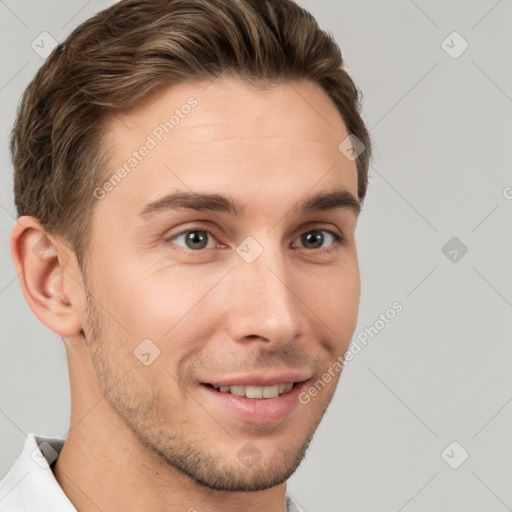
column 199, row 238
column 314, row 239
column 194, row 239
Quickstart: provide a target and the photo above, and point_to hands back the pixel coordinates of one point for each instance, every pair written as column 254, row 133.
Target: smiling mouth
column 262, row 392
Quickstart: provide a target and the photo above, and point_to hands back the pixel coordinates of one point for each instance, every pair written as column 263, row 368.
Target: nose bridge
column 263, row 302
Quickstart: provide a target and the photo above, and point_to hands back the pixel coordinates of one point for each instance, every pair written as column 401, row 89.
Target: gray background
column 440, row 370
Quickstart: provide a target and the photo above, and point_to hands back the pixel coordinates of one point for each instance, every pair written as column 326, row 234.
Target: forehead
column 241, row 106
column 206, row 137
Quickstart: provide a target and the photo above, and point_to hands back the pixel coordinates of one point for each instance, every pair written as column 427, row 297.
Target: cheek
column 182, row 305
column 170, row 306
column 336, row 304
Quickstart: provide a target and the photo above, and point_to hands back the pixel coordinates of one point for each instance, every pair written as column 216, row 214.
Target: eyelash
column 339, row 240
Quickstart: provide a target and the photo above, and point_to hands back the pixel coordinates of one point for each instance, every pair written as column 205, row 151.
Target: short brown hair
column 123, row 54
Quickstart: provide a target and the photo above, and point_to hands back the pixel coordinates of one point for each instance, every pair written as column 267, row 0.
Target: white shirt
column 30, row 485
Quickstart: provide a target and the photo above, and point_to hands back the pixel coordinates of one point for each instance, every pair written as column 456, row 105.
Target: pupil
column 316, row 238
column 196, row 237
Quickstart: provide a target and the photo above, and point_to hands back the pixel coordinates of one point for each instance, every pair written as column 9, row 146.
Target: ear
column 49, row 276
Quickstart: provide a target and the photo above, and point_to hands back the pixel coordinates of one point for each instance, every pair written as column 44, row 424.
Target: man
column 188, row 178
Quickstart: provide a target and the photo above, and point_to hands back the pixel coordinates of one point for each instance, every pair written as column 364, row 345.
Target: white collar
column 30, row 484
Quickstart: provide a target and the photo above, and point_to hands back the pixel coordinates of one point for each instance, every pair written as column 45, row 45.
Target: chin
column 245, row 470
column 249, row 476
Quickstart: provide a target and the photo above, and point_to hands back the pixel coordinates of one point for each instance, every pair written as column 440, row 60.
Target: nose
column 263, row 305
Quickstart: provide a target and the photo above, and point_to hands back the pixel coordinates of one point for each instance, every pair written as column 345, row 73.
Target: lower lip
column 259, row 411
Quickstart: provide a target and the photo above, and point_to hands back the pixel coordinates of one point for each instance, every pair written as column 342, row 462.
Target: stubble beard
column 176, row 445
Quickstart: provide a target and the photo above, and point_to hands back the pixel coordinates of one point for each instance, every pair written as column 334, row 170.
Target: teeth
column 254, row 392
column 270, row 391
column 237, row 390
column 257, row 391
column 287, row 387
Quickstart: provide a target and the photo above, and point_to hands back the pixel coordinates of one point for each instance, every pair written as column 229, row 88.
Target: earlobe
column 40, row 261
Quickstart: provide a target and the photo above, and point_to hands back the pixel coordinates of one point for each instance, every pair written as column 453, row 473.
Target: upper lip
column 260, row 379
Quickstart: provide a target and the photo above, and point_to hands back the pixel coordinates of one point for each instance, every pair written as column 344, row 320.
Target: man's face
column 252, row 303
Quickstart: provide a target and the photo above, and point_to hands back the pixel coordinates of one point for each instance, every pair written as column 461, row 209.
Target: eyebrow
column 322, row 201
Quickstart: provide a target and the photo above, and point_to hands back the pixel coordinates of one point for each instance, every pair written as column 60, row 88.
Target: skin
column 147, row 437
